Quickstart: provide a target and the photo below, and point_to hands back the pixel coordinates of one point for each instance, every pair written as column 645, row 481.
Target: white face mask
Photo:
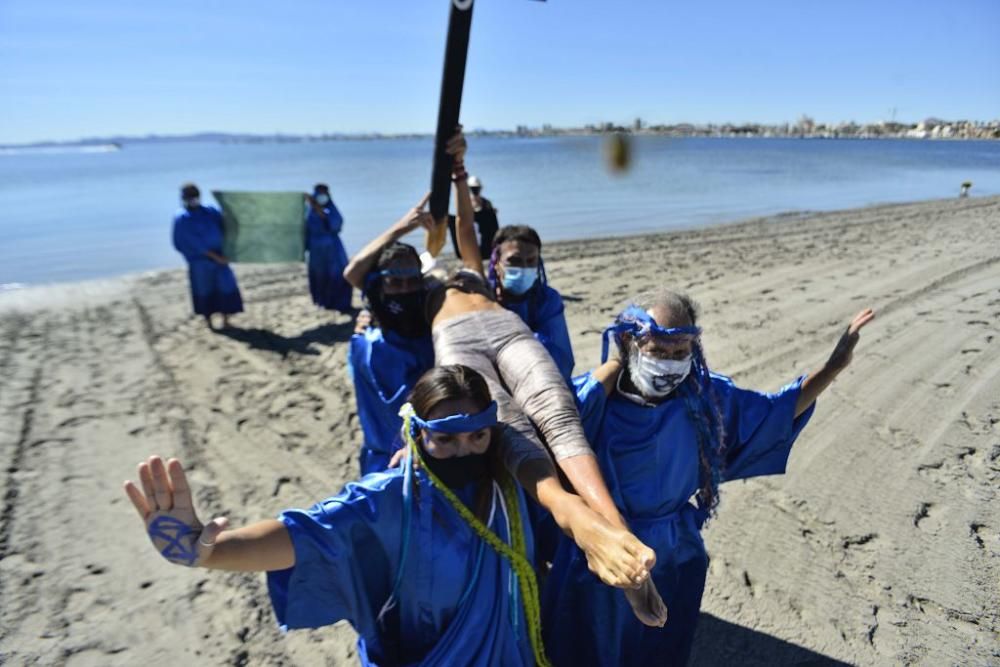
column 193, row 202
column 322, row 200
column 655, row 378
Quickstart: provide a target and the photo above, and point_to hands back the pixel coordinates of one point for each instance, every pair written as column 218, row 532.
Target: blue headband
column 386, row 273
column 637, row 322
column 460, row 423
column 400, row 273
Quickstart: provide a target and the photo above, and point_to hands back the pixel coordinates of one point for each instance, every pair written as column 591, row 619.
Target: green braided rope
column 515, row 556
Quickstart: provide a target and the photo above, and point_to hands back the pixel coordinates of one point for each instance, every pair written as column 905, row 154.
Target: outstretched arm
column 315, row 206
column 165, row 505
column 817, row 382
column 361, row 264
column 607, row 374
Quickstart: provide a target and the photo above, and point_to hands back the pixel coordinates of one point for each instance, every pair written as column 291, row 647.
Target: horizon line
column 601, row 126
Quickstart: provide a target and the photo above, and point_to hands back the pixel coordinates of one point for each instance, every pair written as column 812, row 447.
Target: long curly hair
column 700, row 399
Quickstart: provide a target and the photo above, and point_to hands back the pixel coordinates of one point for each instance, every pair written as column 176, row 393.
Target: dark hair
column 700, row 399
column 189, row 187
column 391, row 252
column 454, row 383
column 522, row 233
column 394, row 251
column 448, row 383
column 321, row 185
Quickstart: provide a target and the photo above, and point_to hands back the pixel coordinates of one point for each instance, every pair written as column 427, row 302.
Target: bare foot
column 647, row 605
column 614, row 555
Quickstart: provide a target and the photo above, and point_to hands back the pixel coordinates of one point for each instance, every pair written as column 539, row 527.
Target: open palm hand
column 164, row 503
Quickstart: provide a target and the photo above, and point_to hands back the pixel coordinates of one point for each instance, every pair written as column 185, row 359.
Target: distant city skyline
column 805, row 126
column 70, row 71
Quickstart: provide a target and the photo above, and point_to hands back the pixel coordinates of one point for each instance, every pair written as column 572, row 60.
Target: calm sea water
column 70, row 216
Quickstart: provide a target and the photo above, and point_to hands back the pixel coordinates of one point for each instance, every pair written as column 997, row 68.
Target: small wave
column 28, row 298
column 56, row 150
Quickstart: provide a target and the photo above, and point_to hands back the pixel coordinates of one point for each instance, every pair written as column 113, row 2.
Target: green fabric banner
column 263, row 226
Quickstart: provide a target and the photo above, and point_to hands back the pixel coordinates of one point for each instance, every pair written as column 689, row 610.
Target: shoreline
column 25, row 296
column 880, row 544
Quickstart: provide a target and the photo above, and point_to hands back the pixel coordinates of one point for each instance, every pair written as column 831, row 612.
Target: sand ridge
column 879, row 546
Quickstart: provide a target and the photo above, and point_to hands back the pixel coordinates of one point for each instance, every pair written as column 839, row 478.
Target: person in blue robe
column 388, row 355
column 198, row 235
column 517, row 275
column 429, row 563
column 666, row 431
column 384, row 365
column 593, row 521
column 327, row 257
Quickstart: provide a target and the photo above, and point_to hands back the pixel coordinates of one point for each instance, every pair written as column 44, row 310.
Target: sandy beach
column 879, row 546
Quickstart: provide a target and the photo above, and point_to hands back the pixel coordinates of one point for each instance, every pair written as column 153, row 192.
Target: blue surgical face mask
column 322, row 199
column 519, row 279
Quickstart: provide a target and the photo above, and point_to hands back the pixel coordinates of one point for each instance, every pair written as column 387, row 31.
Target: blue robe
column 327, row 260
column 649, row 459
column 384, row 367
column 383, row 547
column 213, row 286
column 544, row 313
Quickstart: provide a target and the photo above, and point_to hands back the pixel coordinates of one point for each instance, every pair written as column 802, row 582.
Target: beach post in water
column 618, row 152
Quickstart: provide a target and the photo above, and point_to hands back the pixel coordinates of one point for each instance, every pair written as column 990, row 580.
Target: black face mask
column 402, row 313
column 458, row 471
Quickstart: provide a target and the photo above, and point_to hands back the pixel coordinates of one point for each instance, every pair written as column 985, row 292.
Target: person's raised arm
column 362, row 262
column 607, row 374
column 465, row 229
column 165, row 505
column 815, row 383
column 315, row 206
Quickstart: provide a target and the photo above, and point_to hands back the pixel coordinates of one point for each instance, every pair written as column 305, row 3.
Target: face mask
column 518, row 279
column 402, row 313
column 655, row 378
column 458, row 471
column 193, row 202
column 322, row 200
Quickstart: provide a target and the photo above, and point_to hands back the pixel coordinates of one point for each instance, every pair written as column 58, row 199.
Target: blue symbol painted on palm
column 179, row 538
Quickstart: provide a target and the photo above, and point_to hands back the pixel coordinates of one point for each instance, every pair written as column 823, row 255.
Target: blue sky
column 71, row 69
